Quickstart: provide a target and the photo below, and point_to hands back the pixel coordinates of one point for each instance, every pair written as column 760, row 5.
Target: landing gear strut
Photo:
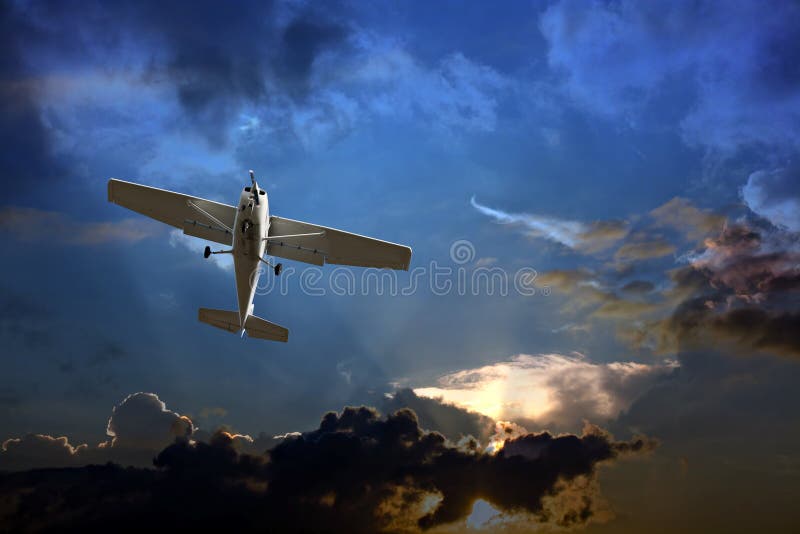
column 208, row 252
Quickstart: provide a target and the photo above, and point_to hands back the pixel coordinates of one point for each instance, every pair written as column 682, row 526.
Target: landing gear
column 208, row 252
column 277, row 268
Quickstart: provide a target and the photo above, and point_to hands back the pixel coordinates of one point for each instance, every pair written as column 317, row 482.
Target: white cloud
column 197, row 245
column 139, row 428
column 573, row 234
column 382, row 79
column 549, row 388
column 567, row 233
column 775, row 195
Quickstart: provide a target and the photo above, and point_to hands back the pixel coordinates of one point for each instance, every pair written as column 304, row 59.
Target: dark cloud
column 740, row 291
column 302, row 41
column 435, row 414
column 698, row 323
column 356, row 472
column 36, row 451
column 219, row 59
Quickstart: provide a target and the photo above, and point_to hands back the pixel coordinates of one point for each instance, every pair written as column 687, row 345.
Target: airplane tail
column 254, row 326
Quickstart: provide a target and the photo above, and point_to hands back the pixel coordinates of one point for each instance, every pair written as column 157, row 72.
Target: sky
column 598, row 330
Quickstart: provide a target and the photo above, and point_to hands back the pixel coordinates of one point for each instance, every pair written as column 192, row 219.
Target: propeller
column 255, row 186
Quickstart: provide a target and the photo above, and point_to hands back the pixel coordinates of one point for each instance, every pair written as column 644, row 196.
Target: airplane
column 250, row 231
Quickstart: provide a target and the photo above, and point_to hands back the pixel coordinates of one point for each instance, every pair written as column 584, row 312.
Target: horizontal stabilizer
column 255, row 327
column 263, row 329
column 227, row 320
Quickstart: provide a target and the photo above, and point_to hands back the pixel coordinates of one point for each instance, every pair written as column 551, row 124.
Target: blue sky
column 640, row 157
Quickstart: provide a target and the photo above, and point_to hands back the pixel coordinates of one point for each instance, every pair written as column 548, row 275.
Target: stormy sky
column 599, row 328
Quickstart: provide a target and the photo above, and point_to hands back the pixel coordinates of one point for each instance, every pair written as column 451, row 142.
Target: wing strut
column 204, row 212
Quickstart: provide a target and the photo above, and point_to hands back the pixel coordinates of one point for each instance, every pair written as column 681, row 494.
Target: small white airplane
column 251, row 231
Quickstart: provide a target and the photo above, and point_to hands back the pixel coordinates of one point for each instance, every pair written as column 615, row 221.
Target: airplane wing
column 329, row 245
column 197, row 217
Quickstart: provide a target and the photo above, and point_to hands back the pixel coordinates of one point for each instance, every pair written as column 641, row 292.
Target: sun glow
column 543, row 386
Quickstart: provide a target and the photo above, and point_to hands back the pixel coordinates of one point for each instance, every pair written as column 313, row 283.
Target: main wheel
column 207, row 252
column 278, row 269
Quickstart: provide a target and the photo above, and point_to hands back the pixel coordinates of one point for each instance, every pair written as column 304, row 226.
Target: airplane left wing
column 311, row 243
column 197, row 217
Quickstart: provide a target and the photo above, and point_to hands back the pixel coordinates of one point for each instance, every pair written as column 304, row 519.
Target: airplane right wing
column 197, row 217
column 318, row 245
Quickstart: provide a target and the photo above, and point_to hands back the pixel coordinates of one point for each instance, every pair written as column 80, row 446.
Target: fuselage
column 249, row 231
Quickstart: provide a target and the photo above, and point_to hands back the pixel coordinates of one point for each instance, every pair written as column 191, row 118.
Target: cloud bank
column 358, row 472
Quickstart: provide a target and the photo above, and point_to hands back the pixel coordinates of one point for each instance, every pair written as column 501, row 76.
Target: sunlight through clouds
column 548, row 388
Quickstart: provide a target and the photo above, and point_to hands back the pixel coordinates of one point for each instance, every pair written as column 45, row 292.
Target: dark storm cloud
column 742, row 291
column 356, row 472
column 218, row 57
column 697, row 323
